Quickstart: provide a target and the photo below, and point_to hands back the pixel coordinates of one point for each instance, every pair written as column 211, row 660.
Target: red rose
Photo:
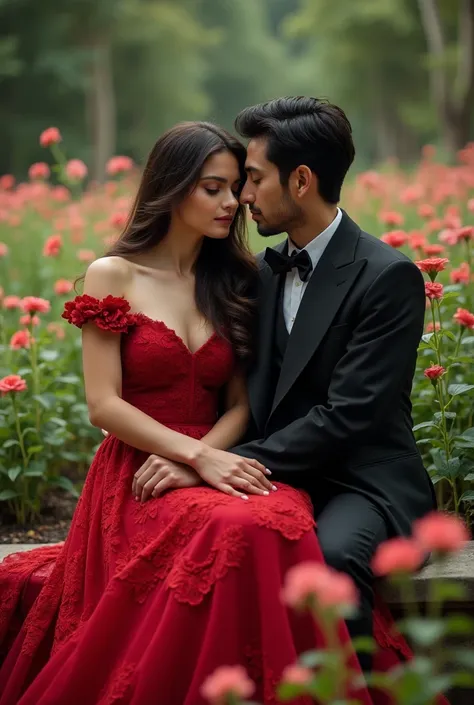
column 465, row 318
column 397, row 556
column 431, row 250
column 434, row 372
column 432, row 266
column 433, row 290
column 12, row 383
column 33, row 304
column 396, row 238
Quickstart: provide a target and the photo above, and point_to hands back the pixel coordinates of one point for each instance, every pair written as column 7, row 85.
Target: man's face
column 271, row 204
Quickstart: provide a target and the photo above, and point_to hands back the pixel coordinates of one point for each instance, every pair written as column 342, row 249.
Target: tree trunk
column 102, row 109
column 454, row 100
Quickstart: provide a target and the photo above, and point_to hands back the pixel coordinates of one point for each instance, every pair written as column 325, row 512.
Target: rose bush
column 54, row 224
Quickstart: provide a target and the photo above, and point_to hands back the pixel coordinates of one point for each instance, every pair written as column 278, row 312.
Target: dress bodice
column 160, row 375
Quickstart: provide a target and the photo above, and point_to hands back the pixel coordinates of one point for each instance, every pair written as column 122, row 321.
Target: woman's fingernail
column 266, row 494
column 244, row 496
column 274, row 488
column 269, row 472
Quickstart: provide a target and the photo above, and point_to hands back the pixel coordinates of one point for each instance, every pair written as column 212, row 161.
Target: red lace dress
column 144, row 601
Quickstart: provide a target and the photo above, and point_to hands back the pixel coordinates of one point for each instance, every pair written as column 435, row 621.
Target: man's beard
column 289, row 216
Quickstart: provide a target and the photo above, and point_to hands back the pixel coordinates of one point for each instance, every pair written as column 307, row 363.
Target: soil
column 51, row 527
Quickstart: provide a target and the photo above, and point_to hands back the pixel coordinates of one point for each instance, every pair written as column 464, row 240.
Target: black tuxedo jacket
column 340, row 417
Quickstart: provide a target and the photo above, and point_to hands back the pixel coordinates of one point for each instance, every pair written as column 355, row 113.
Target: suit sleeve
column 368, row 378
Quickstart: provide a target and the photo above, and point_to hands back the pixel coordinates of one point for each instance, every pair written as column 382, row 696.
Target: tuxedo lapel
column 260, row 378
column 330, row 283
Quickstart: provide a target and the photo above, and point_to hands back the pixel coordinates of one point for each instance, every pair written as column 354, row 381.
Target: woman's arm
column 103, row 376
column 107, row 410
column 231, row 427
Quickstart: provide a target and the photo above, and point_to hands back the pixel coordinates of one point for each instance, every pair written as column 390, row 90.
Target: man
column 341, row 316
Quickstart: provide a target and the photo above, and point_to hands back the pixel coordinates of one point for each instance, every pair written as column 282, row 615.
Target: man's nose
column 246, row 196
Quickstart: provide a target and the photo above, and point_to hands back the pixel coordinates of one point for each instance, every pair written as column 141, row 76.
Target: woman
column 146, row 598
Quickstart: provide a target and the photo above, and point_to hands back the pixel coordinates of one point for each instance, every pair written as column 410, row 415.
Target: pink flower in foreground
column 76, row 170
column 11, row 302
column 440, row 532
column 297, row 675
column 33, row 304
column 397, row 556
column 50, row 136
column 40, row 170
column 430, row 327
column 227, row 681
column 331, row 589
column 3, row 249
column 12, row 383
column 470, row 205
column 20, row 339
column 7, row 181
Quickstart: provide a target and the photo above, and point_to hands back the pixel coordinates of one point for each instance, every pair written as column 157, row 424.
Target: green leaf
column 459, row 625
column 467, row 496
column 48, row 355
column 10, row 443
column 58, row 422
column 68, row 379
column 313, row 659
column 457, row 389
column 423, row 632
column 470, row 477
column 364, row 644
column 14, row 472
column 289, row 691
column 448, row 414
column 424, row 424
column 35, row 449
column 8, row 494
column 446, row 590
column 66, row 484
column 46, row 400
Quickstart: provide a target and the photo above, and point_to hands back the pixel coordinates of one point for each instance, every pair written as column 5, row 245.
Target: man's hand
column 158, row 474
column 232, row 473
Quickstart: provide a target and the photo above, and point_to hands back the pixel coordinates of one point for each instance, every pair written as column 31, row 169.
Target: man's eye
column 256, row 181
column 212, row 191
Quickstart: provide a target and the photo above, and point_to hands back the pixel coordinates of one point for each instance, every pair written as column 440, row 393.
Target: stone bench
column 458, row 568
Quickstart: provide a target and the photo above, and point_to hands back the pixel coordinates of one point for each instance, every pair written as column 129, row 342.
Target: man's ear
column 301, row 180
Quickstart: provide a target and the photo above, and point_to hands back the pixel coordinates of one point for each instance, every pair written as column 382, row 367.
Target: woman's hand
column 157, row 475
column 232, row 473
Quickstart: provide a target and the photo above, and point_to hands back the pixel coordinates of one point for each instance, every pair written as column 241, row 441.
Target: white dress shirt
column 294, row 286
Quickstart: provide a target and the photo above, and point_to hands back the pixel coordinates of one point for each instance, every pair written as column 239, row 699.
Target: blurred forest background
column 113, row 74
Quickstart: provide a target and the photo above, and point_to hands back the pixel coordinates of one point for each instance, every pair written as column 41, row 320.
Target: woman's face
column 211, row 207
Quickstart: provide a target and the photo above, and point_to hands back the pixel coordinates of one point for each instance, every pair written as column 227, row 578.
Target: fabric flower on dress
column 111, row 314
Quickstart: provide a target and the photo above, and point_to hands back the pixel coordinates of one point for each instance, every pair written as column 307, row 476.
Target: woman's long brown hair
column 225, row 269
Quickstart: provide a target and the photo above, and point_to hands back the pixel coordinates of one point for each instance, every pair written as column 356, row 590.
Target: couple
column 300, row 363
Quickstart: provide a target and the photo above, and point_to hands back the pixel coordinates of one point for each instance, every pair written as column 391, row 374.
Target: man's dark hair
column 303, row 130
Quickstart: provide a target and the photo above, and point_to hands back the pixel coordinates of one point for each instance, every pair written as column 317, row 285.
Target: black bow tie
column 280, row 263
